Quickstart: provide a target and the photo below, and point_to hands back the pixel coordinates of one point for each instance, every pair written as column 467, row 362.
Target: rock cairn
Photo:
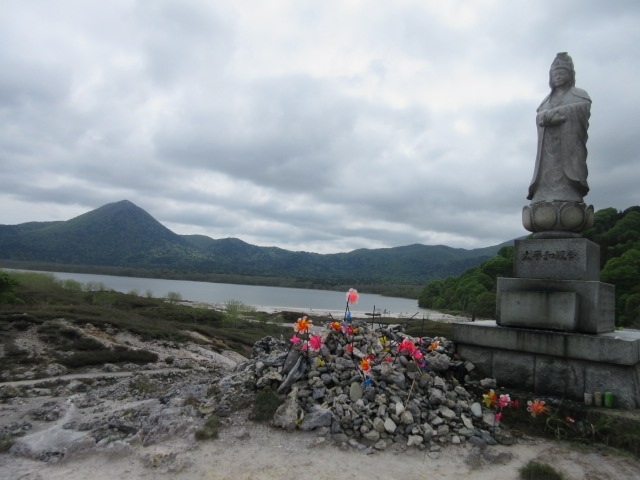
column 364, row 389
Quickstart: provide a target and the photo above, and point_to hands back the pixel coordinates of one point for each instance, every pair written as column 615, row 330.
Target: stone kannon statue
column 560, row 177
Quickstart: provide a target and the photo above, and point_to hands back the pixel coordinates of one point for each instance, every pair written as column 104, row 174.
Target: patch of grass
column 265, row 404
column 209, row 430
column 143, row 385
column 428, row 328
column 539, row 471
column 100, row 357
column 6, row 442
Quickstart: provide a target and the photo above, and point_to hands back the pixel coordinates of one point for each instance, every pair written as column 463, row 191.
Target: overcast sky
column 322, row 126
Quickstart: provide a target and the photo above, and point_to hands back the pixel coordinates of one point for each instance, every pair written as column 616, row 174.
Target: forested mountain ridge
column 123, row 235
column 617, row 233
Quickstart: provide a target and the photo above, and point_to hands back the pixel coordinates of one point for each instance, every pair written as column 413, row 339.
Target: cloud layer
column 316, row 126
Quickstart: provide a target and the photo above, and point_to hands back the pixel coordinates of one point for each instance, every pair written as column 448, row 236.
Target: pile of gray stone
column 399, row 401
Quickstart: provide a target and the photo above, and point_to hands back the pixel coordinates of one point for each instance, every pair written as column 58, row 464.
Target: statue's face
column 559, row 77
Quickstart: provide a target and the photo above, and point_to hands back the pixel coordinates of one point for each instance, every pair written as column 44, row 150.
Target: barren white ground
column 247, row 450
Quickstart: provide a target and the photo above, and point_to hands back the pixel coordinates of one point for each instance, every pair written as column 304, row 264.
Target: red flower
column 337, row 326
column 349, row 348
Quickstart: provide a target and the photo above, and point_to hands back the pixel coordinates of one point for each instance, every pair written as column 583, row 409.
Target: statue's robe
column 561, row 163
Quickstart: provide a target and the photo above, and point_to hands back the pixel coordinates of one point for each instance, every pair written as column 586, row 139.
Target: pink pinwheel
column 315, row 342
column 352, row 296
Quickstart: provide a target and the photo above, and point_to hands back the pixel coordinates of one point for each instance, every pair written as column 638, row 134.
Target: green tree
column 7, row 284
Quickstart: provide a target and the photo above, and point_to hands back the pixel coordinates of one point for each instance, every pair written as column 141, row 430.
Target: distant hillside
column 124, row 235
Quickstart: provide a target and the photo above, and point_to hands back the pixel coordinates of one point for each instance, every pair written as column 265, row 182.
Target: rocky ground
column 151, row 421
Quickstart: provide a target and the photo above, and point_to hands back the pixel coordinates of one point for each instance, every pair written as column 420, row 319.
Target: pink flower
column 504, row 401
column 498, row 416
column 295, row 339
column 407, row 346
column 417, row 355
column 352, row 296
column 315, row 342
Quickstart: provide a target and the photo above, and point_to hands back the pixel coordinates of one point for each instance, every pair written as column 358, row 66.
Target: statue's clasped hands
column 552, row 119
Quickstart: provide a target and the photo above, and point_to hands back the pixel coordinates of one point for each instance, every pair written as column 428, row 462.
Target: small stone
column 390, row 426
column 406, row 418
column 372, row 436
column 414, row 440
column 446, row 412
column 466, row 421
column 476, row 410
column 355, row 392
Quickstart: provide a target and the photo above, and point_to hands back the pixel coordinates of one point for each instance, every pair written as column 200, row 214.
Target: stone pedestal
column 556, row 286
column 564, row 365
column 554, row 332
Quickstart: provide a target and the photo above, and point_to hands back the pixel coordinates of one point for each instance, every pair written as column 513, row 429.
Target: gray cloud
column 310, row 126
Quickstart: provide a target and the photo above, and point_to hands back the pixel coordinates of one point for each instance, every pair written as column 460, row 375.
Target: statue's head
column 562, row 63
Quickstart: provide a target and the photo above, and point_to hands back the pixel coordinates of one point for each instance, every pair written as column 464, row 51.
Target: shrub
column 173, row 297
column 209, row 430
column 265, row 404
column 539, row 471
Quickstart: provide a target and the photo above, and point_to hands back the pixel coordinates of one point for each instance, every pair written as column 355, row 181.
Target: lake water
column 267, row 298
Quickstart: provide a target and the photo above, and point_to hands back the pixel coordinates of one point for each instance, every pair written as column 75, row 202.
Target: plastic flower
column 349, row 348
column 504, row 401
column 498, row 416
column 302, row 325
column 515, row 403
column 417, row 355
column 315, row 342
column 537, row 407
column 349, row 330
column 434, row 345
column 295, row 339
column 365, row 365
column 407, row 346
column 570, row 420
column 490, row 399
column 352, row 296
column 337, row 326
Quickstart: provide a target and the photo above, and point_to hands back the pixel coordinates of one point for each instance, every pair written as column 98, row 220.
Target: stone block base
column 555, row 363
column 567, row 305
column 557, row 259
